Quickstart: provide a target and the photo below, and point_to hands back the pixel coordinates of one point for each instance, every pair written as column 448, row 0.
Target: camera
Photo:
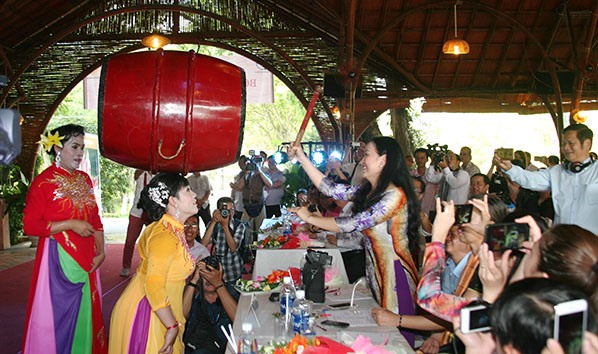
column 437, row 153
column 252, row 161
column 318, row 257
column 224, row 212
column 499, row 187
column 212, row 261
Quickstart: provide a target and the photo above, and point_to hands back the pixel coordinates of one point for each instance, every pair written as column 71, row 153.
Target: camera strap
column 354, row 169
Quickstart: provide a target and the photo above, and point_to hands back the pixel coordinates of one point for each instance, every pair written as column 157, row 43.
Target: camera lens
column 212, row 261
column 224, row 212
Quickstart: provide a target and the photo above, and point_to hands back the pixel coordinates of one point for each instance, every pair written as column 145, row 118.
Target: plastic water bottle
column 301, row 311
column 287, row 228
column 287, row 297
column 247, row 343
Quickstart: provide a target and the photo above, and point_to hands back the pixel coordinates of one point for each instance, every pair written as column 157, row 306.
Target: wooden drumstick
column 310, row 109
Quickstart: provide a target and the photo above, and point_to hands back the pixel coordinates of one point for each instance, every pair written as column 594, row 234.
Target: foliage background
column 267, row 126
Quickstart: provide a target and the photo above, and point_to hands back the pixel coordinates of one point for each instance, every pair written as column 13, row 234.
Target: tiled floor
column 16, row 255
column 23, row 252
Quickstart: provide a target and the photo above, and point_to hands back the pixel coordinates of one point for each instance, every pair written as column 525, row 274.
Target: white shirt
column 273, row 196
column 574, row 195
column 471, row 168
column 199, row 251
column 200, row 185
column 238, row 195
column 458, row 183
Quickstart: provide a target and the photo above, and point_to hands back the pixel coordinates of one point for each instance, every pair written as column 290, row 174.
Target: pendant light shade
column 455, row 45
column 155, row 41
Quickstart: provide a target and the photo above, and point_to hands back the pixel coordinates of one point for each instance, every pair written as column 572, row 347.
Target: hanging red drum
column 171, row 111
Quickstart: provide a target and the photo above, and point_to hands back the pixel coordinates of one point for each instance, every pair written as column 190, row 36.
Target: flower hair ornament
column 158, row 194
column 49, row 140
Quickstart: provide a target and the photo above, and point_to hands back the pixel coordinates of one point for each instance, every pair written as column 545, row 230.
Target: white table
column 262, row 319
column 269, row 259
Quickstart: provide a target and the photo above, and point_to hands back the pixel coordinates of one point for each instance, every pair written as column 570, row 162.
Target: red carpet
column 15, row 283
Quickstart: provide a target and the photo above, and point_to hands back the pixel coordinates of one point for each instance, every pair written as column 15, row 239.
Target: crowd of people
column 397, row 218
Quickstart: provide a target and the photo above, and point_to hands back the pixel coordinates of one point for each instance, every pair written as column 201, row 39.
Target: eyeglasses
column 191, row 225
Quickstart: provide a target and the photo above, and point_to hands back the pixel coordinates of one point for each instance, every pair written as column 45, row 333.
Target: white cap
column 286, row 280
column 300, row 294
column 246, row 327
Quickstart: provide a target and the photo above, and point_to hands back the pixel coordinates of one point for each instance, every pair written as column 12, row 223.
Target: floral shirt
column 430, row 296
column 384, row 225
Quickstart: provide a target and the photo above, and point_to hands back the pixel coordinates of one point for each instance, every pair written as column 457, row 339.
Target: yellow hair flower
column 49, row 140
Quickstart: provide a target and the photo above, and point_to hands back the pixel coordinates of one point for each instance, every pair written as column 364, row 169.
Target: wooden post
column 4, row 226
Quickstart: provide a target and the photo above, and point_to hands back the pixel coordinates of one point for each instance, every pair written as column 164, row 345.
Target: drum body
column 171, row 111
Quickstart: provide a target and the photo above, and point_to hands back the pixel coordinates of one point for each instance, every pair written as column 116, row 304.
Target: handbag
column 313, row 278
column 313, row 275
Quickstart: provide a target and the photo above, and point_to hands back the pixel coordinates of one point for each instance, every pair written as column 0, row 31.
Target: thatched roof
column 392, row 49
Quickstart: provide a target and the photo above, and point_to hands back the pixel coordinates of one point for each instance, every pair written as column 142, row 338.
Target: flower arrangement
column 272, row 228
column 271, row 242
column 271, row 281
column 297, row 345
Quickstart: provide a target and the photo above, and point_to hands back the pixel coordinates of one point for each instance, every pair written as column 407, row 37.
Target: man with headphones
column 574, row 183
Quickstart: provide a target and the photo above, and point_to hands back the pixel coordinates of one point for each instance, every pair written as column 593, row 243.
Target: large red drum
column 171, row 111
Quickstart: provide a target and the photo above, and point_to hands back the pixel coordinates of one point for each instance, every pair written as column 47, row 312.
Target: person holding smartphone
column 522, row 320
column 574, row 183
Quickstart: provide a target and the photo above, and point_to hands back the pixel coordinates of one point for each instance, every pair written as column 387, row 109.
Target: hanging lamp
column 455, row 45
column 155, row 41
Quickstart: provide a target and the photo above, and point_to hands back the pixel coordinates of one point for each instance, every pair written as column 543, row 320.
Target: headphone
column 577, row 167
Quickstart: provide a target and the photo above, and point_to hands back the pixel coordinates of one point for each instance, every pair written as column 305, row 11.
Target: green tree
column 268, row 125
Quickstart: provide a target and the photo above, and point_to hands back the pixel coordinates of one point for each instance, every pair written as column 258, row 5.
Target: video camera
column 253, row 160
column 318, row 257
column 437, row 153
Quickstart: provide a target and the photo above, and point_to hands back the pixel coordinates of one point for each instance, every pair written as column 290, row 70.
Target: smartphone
column 475, row 319
column 463, row 213
column 504, row 236
column 340, row 305
column 432, row 216
column 570, row 320
column 504, row 154
column 337, row 324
